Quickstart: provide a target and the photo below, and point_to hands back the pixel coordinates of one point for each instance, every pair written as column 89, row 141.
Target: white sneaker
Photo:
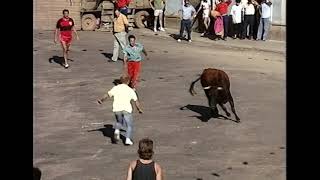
column 190, row 41
column 179, row 40
column 154, row 29
column 128, row 142
column 117, row 134
column 161, row 29
column 202, row 34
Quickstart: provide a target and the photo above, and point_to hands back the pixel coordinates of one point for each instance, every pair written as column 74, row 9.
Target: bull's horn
column 219, row 88
column 208, row 87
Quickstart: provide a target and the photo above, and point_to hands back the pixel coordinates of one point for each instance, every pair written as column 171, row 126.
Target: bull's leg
column 225, row 109
column 232, row 107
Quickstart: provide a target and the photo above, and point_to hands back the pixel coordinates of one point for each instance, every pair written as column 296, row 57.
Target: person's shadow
column 58, row 60
column 204, row 112
column 109, row 56
column 108, row 131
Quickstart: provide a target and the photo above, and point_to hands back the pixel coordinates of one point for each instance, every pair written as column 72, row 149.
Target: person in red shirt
column 222, row 8
column 122, row 5
column 65, row 27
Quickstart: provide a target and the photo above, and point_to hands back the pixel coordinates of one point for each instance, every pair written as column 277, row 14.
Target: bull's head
column 217, row 93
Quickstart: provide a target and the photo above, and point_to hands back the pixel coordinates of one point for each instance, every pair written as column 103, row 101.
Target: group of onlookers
column 249, row 19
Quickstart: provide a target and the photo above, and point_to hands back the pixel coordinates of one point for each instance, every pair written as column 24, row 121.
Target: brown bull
column 216, row 86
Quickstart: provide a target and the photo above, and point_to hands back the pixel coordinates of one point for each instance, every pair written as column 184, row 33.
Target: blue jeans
column 124, row 119
column 185, row 24
column 263, row 29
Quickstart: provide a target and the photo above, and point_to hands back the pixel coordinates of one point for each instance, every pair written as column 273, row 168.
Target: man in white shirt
column 264, row 25
column 236, row 13
column 122, row 95
column 188, row 13
column 249, row 11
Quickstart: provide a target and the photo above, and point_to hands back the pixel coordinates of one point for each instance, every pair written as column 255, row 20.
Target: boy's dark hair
column 145, row 150
column 65, row 10
column 238, row 1
column 131, row 36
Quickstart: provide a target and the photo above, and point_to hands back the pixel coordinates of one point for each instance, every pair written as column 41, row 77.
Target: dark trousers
column 237, row 30
column 124, row 11
column 248, row 20
column 226, row 25
column 185, row 24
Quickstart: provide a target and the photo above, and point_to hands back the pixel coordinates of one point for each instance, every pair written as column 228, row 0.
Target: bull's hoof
column 237, row 120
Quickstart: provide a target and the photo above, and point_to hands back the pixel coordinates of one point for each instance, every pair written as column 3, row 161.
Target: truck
column 99, row 14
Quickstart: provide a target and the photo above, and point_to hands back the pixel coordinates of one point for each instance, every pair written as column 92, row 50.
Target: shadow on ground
column 204, row 113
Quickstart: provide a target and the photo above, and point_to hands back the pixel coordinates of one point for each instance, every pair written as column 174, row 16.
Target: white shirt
column 205, row 5
column 122, row 95
column 249, row 9
column 236, row 13
column 265, row 11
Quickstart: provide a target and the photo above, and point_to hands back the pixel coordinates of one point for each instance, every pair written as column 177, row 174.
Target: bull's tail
column 191, row 90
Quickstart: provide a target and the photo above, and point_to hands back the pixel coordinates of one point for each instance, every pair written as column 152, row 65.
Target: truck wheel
column 140, row 17
column 88, row 22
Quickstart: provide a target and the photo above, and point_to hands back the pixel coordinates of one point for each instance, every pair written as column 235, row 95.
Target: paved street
column 72, row 132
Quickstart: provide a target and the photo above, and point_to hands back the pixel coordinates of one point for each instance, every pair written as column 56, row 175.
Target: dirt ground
column 72, row 133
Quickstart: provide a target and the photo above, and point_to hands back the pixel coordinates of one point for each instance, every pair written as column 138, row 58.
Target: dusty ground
column 72, row 133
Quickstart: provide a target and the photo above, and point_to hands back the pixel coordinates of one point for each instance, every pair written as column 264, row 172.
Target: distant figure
column 65, row 27
column 158, row 6
column 188, row 13
column 249, row 17
column 36, row 173
column 235, row 12
column 205, row 5
column 264, row 24
column 122, row 5
column 144, row 168
column 120, row 29
column 222, row 8
column 122, row 95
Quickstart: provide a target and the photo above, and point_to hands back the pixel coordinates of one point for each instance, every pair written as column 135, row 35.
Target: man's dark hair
column 145, row 150
column 65, row 10
column 131, row 36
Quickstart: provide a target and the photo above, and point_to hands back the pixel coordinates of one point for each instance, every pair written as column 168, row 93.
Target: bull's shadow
column 108, row 131
column 204, row 112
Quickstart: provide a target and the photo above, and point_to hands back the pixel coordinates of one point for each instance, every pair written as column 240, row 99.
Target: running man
column 64, row 28
column 122, row 95
column 132, row 60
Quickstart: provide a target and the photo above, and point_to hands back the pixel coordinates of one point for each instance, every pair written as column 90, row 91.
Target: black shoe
column 225, row 39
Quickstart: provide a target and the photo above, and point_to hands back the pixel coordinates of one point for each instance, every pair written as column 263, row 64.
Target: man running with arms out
column 122, row 95
column 65, row 26
column 157, row 6
column 132, row 60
